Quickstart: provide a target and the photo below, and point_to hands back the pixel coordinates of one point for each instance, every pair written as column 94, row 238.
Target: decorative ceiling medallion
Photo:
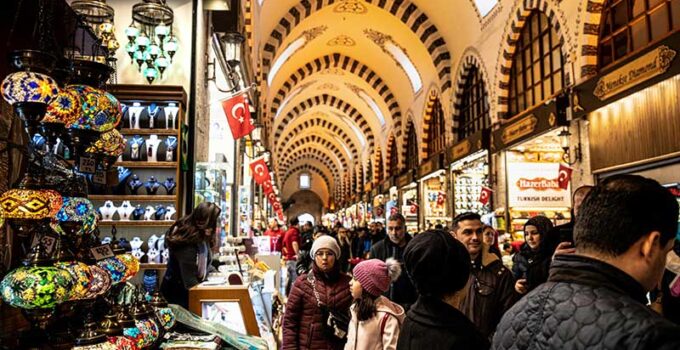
column 334, row 71
column 313, row 33
column 354, row 88
column 351, row 6
column 377, row 37
column 328, row 86
column 342, row 40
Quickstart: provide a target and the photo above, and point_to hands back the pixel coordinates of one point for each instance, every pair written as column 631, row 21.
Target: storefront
column 433, row 186
column 408, row 201
column 532, row 154
column 391, row 197
column 632, row 113
column 469, row 171
column 378, row 206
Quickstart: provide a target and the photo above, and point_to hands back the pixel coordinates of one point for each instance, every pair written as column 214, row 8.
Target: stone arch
column 405, row 10
column 518, row 17
column 590, row 37
column 322, row 155
column 339, row 61
column 410, row 124
column 378, row 166
column 392, row 146
column 309, row 168
column 321, row 143
column 326, row 124
column 320, row 162
column 330, row 101
column 471, row 58
column 432, row 98
column 306, row 201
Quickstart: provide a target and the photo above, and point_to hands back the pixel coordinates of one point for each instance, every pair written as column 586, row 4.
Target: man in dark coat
column 491, row 289
column 439, row 267
column 560, row 240
column 402, row 290
column 595, row 298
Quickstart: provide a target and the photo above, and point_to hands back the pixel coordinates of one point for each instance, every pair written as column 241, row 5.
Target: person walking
column 402, row 290
column 596, row 298
column 190, row 240
column 532, row 264
column 490, row 291
column 375, row 320
column 291, row 249
column 275, row 235
column 313, row 298
column 439, row 266
column 345, row 243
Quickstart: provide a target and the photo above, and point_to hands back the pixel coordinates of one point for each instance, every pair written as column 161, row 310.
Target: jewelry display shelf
column 163, row 132
column 151, row 223
column 133, row 197
column 144, row 164
column 152, row 266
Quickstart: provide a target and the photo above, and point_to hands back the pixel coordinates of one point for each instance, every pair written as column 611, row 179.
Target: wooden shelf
column 171, row 132
column 152, row 266
column 145, row 164
column 157, row 223
column 132, row 197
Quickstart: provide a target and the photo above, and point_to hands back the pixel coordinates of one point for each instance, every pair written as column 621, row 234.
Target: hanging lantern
column 151, row 74
column 115, row 268
column 161, row 64
column 81, row 276
column 131, row 49
column 154, row 52
column 162, row 31
column 36, row 287
column 139, row 58
column 132, row 32
column 30, row 204
column 142, row 42
column 171, row 47
column 77, row 215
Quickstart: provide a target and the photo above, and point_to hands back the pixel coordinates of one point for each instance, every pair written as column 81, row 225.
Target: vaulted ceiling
column 340, row 77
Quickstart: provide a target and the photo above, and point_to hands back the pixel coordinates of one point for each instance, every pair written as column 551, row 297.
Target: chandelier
column 151, row 41
column 98, row 15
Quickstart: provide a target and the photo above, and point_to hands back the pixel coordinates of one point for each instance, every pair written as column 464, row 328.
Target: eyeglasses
column 324, row 254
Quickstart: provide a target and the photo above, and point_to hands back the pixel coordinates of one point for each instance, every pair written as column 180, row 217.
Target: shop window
column 436, row 134
column 412, row 148
column 473, row 112
column 305, row 181
column 630, row 25
column 393, row 162
column 536, row 72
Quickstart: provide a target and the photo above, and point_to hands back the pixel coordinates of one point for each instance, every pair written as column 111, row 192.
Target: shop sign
column 651, row 64
column 475, row 142
column 523, row 127
column 536, row 185
column 534, row 122
column 460, row 150
column 404, row 180
column 431, row 165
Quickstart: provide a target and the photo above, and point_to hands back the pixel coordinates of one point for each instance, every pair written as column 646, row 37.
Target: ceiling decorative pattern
column 341, row 40
column 309, row 168
column 322, row 141
column 350, row 6
column 328, row 86
column 317, row 121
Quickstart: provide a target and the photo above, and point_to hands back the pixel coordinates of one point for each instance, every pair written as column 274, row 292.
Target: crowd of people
column 607, row 280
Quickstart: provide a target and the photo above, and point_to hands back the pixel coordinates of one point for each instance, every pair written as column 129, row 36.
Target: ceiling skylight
column 405, row 63
column 374, row 106
column 485, row 6
column 285, row 55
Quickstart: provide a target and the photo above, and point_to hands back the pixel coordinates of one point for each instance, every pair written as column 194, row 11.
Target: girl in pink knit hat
column 375, row 320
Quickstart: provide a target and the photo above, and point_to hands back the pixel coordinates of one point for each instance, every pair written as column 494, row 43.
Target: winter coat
column 302, row 321
column 182, row 273
column 402, row 291
column 380, row 332
column 586, row 304
column 533, row 266
column 490, row 292
column 432, row 324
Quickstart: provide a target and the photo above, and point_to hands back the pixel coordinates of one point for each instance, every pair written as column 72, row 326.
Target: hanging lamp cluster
column 151, row 41
column 98, row 15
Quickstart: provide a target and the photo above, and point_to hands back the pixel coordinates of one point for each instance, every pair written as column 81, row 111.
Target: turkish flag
column 267, row 187
column 441, row 198
column 485, row 195
column 238, row 115
column 564, row 176
column 271, row 196
column 260, row 171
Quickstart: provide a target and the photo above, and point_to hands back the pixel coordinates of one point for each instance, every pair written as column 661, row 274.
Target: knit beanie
column 375, row 275
column 327, row 242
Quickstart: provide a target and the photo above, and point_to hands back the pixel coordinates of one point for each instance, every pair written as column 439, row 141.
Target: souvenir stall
column 378, row 206
column 434, row 186
column 408, row 201
column 391, row 199
column 469, row 172
column 533, row 168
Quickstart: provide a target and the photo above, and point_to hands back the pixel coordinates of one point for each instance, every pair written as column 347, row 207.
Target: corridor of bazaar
column 340, row 174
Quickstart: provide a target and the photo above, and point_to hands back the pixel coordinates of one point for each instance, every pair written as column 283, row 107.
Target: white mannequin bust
column 154, row 255
column 165, row 255
column 136, row 243
column 108, row 210
column 137, row 253
column 170, row 115
column 169, row 212
column 148, row 214
column 152, row 241
column 106, row 240
column 134, row 113
column 125, row 210
column 152, row 148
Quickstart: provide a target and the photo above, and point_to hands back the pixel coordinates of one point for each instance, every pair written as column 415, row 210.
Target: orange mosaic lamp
column 30, row 204
column 110, row 143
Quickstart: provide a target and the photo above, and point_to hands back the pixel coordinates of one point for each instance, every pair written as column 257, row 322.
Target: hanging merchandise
column 152, row 43
column 99, row 16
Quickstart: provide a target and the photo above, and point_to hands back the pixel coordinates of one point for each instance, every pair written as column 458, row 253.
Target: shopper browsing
column 375, row 319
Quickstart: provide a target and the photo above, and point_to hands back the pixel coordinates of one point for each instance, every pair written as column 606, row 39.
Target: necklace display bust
column 152, row 185
column 152, row 147
column 135, row 184
column 136, row 144
column 169, row 184
column 169, row 212
column 148, row 214
column 125, row 211
column 138, row 214
column 108, row 210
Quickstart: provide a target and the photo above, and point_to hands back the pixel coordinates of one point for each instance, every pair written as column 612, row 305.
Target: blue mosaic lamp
column 29, row 93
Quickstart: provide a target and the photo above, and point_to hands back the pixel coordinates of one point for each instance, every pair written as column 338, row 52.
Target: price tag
column 102, row 252
column 99, row 177
column 46, row 241
column 88, row 165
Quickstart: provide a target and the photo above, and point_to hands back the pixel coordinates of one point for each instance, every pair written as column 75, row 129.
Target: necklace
column 152, row 109
column 170, row 115
column 133, row 116
column 135, row 146
column 108, row 210
column 171, row 143
column 152, row 145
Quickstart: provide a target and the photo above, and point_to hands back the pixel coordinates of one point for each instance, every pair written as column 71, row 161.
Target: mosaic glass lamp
column 30, row 204
column 110, row 145
column 101, row 282
column 116, row 269
column 146, row 331
column 63, row 110
column 29, row 93
column 77, row 216
column 81, row 276
column 164, row 314
column 100, row 111
column 123, row 343
column 131, row 265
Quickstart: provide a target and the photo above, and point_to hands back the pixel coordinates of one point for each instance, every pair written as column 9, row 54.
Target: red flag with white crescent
column 238, row 115
column 485, row 195
column 271, row 197
column 267, row 187
column 564, row 176
column 259, row 170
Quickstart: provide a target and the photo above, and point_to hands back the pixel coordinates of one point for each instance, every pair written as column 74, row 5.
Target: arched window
column 412, row 148
column 629, row 25
column 305, row 181
column 536, row 72
column 393, row 162
column 436, row 134
column 473, row 111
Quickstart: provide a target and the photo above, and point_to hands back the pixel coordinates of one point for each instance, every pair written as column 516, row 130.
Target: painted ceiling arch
column 319, row 170
column 313, row 122
column 334, row 65
column 406, row 12
column 318, row 162
column 323, row 141
column 310, row 135
column 318, row 184
column 326, row 157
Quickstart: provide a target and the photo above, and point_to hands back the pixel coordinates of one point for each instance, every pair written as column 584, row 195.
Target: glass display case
column 212, row 185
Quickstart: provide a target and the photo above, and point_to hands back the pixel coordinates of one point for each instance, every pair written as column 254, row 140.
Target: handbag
column 336, row 323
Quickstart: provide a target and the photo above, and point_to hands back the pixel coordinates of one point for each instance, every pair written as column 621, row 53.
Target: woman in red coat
column 304, row 320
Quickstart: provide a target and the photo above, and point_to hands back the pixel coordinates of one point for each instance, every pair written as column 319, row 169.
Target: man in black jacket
column 595, row 298
column 402, row 290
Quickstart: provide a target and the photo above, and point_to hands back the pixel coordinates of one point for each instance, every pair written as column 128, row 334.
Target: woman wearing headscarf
column 190, row 240
column 313, row 296
column 531, row 265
